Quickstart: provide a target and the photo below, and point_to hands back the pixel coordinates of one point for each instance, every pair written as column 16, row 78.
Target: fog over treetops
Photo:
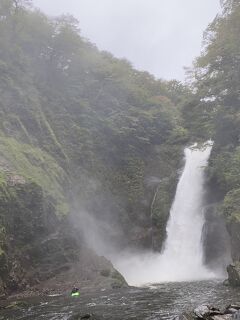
column 159, row 36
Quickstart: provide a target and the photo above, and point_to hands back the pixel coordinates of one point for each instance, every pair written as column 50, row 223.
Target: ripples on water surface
column 161, row 301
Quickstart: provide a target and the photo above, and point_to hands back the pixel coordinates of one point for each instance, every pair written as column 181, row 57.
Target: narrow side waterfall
column 182, row 257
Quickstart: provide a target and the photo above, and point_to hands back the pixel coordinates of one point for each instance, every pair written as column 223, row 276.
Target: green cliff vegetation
column 85, row 129
column 215, row 112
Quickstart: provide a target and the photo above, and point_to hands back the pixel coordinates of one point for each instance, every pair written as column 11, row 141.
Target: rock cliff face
column 37, row 246
column 234, row 274
column 223, row 181
column 216, row 239
column 30, row 248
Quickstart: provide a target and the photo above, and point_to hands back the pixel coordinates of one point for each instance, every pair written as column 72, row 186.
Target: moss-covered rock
column 28, row 219
column 160, row 209
column 223, row 174
column 118, row 280
column 234, row 274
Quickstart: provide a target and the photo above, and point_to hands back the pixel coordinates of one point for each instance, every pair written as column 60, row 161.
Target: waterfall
column 182, row 256
column 183, row 250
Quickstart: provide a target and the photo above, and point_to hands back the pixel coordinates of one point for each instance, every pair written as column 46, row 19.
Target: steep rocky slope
column 82, row 136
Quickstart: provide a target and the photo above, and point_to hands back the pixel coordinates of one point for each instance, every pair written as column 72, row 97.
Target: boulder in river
column 205, row 311
column 231, row 311
column 234, row 274
column 226, row 283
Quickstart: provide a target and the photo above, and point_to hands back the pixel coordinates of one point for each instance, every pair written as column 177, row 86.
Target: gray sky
column 160, row 36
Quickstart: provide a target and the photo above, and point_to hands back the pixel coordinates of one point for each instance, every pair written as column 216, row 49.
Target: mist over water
column 182, row 256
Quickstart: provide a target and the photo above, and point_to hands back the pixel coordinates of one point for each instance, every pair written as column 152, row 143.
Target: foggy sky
column 160, row 36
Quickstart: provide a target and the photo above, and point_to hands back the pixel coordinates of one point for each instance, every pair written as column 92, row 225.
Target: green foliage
column 217, row 69
column 105, row 272
column 224, row 167
column 179, row 135
column 214, row 112
column 35, row 165
column 160, row 208
column 231, row 206
column 79, row 122
column 119, row 281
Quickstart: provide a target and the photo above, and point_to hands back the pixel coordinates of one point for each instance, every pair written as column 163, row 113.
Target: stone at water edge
column 226, row 283
column 202, row 311
column 234, row 274
column 230, row 311
column 205, row 311
column 234, row 306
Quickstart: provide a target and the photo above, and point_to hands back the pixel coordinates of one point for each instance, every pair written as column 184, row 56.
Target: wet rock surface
column 205, row 311
column 234, row 274
column 92, row 272
column 208, row 312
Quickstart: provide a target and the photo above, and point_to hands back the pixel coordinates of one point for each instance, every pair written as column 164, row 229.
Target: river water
column 160, row 301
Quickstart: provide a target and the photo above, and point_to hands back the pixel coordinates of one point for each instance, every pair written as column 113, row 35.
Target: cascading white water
column 182, row 258
column 183, row 248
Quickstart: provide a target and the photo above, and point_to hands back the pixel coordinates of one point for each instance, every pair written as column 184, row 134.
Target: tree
column 18, row 4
